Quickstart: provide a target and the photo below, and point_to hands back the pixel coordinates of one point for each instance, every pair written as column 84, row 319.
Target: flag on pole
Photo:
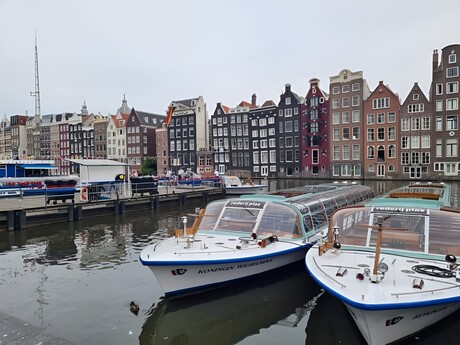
column 169, row 116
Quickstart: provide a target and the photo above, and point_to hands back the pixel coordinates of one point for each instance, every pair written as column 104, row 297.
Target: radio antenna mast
column 36, row 94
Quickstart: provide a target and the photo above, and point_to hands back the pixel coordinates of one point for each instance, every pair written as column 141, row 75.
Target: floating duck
column 134, row 308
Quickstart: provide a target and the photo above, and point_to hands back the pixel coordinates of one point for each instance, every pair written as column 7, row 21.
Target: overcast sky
column 157, row 51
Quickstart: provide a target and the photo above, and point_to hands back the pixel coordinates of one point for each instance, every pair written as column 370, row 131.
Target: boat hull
column 184, row 276
column 241, row 190
column 381, row 327
column 391, row 309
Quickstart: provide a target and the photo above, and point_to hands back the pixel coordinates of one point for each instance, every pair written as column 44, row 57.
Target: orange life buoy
column 83, row 193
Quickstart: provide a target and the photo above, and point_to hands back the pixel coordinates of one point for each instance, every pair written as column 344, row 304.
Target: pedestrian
column 180, row 173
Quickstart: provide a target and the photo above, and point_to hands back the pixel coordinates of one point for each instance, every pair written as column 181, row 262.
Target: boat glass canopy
column 416, row 229
column 249, row 216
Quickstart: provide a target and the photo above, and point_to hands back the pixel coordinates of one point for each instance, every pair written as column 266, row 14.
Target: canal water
column 76, row 281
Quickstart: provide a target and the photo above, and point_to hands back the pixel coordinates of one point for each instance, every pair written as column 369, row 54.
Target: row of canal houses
column 348, row 131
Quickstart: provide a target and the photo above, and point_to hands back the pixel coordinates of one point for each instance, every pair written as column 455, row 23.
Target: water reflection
column 231, row 314
column 57, row 277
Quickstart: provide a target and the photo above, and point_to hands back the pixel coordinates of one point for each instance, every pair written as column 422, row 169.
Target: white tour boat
column 234, row 186
column 392, row 261
column 238, row 238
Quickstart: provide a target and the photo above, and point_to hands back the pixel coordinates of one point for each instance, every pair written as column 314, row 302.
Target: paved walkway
column 16, row 203
column 17, row 331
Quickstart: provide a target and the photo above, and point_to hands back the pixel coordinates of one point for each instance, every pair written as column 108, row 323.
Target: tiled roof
column 149, row 119
column 188, row 102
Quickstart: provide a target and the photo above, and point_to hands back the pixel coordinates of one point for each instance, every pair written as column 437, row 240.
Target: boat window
column 301, row 207
column 341, row 201
column 307, row 222
column 350, row 199
column 238, row 219
column 444, row 233
column 330, row 206
column 359, row 226
column 279, row 220
column 210, row 216
column 319, row 219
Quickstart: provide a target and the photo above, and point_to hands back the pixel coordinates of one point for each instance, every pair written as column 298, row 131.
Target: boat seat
column 409, row 240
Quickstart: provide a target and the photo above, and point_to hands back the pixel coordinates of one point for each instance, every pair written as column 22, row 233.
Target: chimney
column 435, row 60
column 254, row 100
column 288, row 88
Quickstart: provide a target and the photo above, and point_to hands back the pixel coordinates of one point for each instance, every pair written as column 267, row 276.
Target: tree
column 149, row 167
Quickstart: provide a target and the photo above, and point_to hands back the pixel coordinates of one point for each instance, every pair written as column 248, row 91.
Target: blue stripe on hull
column 226, row 261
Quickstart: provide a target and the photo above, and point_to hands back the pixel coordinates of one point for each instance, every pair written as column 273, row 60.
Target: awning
column 37, row 166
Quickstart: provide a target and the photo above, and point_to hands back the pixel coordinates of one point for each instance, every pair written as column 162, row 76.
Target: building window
column 451, row 122
column 355, row 87
column 415, row 124
column 452, row 72
column 438, row 147
column 438, row 123
column 345, row 117
column 336, row 103
column 439, row 105
column 391, row 151
column 452, row 87
column 451, row 147
column 405, row 125
column 314, row 127
column 336, row 134
column 355, row 133
column 452, row 104
column 405, row 158
column 380, row 118
column 426, row 141
column 355, row 153
column 345, row 133
column 452, row 57
column 355, row 116
column 370, row 119
column 380, row 103
column 439, row 89
column 392, row 133
column 336, row 153
column 416, row 108
column 335, row 90
column 425, row 158
column 404, row 142
column 370, row 134
column 345, row 102
column 346, row 152
column 392, row 117
column 345, row 88
column 355, row 101
column 380, row 134
column 426, row 123
column 415, row 96
column 335, row 118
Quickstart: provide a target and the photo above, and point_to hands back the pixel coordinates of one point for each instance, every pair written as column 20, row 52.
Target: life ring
column 120, row 177
column 83, row 193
